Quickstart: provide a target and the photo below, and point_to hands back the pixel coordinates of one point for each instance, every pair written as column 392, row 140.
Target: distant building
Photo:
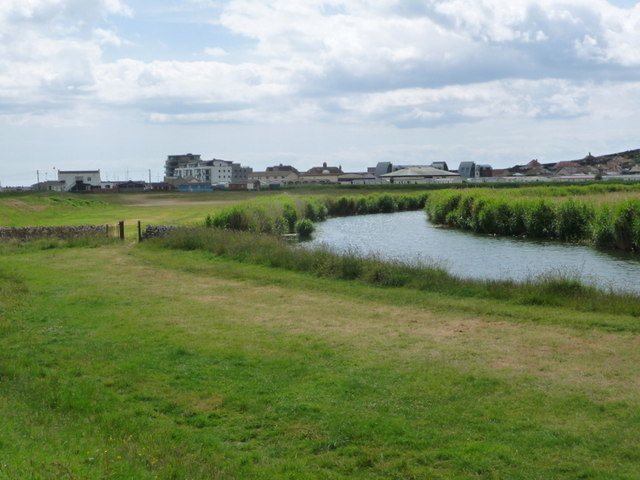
column 383, row 168
column 357, row 178
column 282, row 169
column 162, row 187
column 80, row 180
column 483, row 171
column 50, row 185
column 174, row 161
column 131, row 186
column 323, row 174
column 467, row 170
column 324, row 170
column 276, row 175
column 420, row 175
column 440, row 166
column 210, row 172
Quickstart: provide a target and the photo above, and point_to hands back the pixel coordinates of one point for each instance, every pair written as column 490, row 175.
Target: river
column 410, row 237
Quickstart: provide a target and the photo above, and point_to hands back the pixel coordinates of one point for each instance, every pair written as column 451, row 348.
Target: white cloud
column 409, row 64
column 48, row 50
column 216, row 52
column 103, row 36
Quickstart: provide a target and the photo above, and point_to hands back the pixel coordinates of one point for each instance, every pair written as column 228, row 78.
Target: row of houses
column 189, row 172
column 616, row 166
column 83, row 181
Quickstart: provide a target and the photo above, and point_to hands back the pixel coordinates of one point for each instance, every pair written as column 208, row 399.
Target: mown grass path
column 131, row 362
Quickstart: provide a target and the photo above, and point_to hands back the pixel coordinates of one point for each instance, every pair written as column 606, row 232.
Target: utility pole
column 38, row 177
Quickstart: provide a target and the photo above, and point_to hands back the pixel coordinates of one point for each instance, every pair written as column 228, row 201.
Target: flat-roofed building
column 212, row 172
column 80, row 180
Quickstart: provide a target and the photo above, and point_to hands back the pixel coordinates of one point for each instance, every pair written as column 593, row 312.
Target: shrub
column 602, row 230
column 626, row 226
column 387, row 204
column 315, row 210
column 539, row 219
column 290, row 216
column 304, row 227
column 572, row 220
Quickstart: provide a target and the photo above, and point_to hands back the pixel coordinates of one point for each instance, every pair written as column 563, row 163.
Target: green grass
column 121, row 361
column 144, row 363
column 47, row 208
column 279, row 214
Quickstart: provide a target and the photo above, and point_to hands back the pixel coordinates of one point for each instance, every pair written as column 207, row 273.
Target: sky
column 118, row 85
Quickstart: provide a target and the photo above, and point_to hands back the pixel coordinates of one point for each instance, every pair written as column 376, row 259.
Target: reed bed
column 558, row 213
column 284, row 214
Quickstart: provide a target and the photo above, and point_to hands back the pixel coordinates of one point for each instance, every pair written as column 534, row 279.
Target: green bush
column 626, row 226
column 290, row 216
column 602, row 230
column 315, row 210
column 573, row 220
column 304, row 227
column 539, row 219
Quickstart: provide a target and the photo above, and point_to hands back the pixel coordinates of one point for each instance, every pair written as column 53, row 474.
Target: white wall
column 88, row 177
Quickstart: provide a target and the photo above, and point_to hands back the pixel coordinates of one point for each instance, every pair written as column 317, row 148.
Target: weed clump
column 304, row 228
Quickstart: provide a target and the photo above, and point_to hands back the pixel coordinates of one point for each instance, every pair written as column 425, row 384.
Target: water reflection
column 410, row 237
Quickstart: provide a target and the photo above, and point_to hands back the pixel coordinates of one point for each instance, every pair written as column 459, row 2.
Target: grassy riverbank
column 279, row 214
column 18, row 209
column 273, row 252
column 176, row 359
column 592, row 215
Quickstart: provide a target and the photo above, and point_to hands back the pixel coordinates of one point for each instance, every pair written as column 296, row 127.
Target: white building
column 79, row 180
column 211, row 172
column 421, row 175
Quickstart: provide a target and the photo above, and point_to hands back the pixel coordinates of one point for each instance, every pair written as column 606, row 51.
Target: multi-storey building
column 210, row 172
column 174, row 161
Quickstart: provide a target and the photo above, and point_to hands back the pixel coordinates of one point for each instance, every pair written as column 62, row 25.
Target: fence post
column 121, row 225
column 139, row 232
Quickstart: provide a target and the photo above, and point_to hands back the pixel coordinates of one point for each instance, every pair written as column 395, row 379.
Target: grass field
column 48, row 208
column 58, row 209
column 122, row 361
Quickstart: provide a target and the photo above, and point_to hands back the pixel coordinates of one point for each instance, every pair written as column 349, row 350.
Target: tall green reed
column 281, row 214
column 538, row 215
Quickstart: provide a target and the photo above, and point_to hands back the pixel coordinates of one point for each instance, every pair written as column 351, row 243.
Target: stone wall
column 154, row 231
column 33, row 233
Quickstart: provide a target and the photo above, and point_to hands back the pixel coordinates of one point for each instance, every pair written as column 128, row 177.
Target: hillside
column 609, row 164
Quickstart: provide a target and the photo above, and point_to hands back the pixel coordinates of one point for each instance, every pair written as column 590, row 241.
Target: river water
column 411, row 238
